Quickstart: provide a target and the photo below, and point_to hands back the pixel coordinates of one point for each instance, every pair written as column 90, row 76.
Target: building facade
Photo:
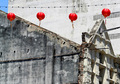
column 34, row 55
column 100, row 64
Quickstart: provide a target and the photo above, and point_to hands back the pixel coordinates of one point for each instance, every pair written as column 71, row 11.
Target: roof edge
column 72, row 43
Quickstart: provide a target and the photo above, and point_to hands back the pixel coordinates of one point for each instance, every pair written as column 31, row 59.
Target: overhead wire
column 80, row 5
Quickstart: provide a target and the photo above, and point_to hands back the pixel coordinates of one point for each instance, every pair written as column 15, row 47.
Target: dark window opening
column 92, row 65
column 92, row 79
column 0, row 54
column 101, row 73
column 14, row 51
column 28, row 50
column 63, row 42
column 100, row 82
column 101, row 58
column 119, row 75
column 111, row 74
column 111, row 83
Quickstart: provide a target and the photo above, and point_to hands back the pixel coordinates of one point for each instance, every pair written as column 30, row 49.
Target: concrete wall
column 30, row 55
column 57, row 19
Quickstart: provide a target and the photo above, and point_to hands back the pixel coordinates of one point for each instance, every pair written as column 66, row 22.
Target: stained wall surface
column 57, row 19
column 30, row 54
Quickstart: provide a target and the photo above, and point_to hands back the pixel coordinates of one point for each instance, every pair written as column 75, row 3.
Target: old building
column 33, row 55
column 100, row 64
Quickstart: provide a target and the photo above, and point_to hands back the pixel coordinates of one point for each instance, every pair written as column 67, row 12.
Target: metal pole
column 110, row 29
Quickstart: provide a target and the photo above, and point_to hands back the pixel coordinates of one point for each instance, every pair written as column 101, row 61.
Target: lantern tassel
column 11, row 29
column 105, row 20
column 72, row 25
column 39, row 23
column 11, row 33
column 72, row 30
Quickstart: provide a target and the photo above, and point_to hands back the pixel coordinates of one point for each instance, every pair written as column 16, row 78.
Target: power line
column 79, row 5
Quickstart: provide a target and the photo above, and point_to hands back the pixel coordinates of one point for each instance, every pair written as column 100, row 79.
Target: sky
column 4, row 3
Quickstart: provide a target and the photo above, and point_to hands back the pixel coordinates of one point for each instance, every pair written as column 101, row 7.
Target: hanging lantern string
column 11, row 32
column 105, row 20
column 40, row 16
column 11, row 17
column 72, row 17
column 72, row 25
column 59, row 6
column 39, row 23
column 11, row 29
column 106, row 12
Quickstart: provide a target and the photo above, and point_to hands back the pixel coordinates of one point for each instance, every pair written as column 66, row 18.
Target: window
column 100, row 82
column 111, row 83
column 111, row 74
column 92, row 78
column 0, row 54
column 92, row 65
column 101, row 74
column 101, row 58
column 119, row 75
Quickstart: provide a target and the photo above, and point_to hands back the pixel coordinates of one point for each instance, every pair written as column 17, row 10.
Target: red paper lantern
column 11, row 16
column 106, row 12
column 72, row 17
column 40, row 15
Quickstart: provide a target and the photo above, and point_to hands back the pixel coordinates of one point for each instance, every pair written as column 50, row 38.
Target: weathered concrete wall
column 29, row 56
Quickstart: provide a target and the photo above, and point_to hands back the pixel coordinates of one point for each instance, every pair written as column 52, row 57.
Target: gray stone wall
column 31, row 55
